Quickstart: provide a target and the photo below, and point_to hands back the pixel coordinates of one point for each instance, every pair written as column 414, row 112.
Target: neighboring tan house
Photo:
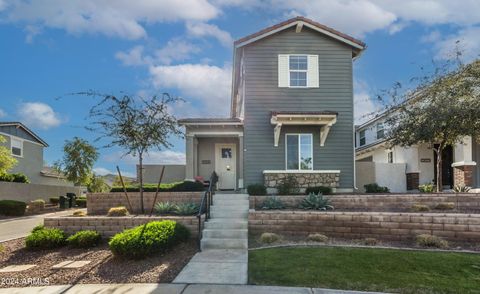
column 291, row 112
column 405, row 168
column 27, row 148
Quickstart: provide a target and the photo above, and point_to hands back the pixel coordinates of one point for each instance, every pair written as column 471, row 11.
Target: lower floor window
column 299, row 152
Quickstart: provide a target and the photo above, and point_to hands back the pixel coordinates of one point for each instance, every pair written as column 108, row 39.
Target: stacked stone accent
column 463, row 175
column 109, row 226
column 356, row 225
column 100, row 203
column 464, row 202
column 305, row 180
column 413, row 181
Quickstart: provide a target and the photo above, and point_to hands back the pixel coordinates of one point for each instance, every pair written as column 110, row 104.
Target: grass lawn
column 366, row 269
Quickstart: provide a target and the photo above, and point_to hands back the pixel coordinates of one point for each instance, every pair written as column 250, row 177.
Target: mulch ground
column 104, row 267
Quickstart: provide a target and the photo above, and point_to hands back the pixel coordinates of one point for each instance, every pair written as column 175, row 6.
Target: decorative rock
column 16, row 268
column 71, row 264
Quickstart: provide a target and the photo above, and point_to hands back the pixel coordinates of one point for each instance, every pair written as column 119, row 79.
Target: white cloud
column 101, row 171
column 153, row 157
column 364, row 106
column 466, row 40
column 201, row 30
column 133, row 57
column 2, row 113
column 206, row 83
column 31, row 32
column 176, row 49
column 120, row 18
column 38, row 115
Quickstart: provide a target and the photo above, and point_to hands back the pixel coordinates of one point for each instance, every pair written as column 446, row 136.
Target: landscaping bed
column 386, row 270
column 104, row 267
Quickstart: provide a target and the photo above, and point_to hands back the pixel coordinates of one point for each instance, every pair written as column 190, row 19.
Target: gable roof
column 30, row 132
column 303, row 21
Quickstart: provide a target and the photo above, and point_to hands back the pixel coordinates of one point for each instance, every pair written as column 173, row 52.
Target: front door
column 225, row 166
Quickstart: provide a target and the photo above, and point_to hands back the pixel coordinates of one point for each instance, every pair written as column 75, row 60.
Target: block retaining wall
column 100, row 203
column 468, row 202
column 356, row 225
column 109, row 226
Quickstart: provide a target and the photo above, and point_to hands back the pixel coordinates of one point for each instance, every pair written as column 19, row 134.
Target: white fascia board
column 333, row 171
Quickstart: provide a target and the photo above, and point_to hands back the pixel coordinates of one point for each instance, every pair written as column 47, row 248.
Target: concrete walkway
column 21, row 226
column 224, row 259
column 171, row 289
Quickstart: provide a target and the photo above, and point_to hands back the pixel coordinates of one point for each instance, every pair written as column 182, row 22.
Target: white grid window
column 299, row 152
column 17, row 147
column 298, row 67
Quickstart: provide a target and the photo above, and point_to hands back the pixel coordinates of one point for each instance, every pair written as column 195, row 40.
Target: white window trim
column 297, row 70
column 378, row 129
column 299, row 153
column 360, row 138
column 11, row 146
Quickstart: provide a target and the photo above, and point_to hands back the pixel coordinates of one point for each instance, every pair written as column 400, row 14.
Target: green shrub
column 79, row 213
column 45, row 239
column 316, row 202
column 118, row 211
column 4, row 177
column 461, row 189
column 272, row 203
column 148, row 239
column 288, row 186
column 317, row 238
column 18, row 178
column 319, row 189
column 419, row 207
column 12, row 207
column 186, row 208
column 54, row 200
column 268, row 238
column 257, row 189
column 375, row 188
column 445, row 206
column 370, row 241
column 426, row 240
column 81, row 201
column 37, row 228
column 186, row 186
column 164, row 207
column 426, row 188
column 39, row 203
column 84, row 239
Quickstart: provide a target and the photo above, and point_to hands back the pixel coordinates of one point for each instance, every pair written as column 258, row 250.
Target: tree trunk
column 439, row 168
column 140, row 179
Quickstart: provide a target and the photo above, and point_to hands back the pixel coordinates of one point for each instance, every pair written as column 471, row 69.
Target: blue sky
column 49, row 48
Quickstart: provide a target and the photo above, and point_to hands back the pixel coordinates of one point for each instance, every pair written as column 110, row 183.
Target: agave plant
column 186, row 209
column 316, row 202
column 461, row 189
column 164, row 207
column 272, row 203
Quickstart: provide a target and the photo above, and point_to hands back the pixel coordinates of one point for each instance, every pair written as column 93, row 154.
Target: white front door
column 225, row 165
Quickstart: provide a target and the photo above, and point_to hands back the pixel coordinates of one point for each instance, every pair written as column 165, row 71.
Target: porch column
column 464, row 166
column 413, row 168
column 190, row 154
column 240, row 161
column 195, row 157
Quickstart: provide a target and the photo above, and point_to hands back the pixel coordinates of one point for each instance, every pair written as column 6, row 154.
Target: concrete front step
column 229, row 214
column 222, row 202
column 224, row 243
column 226, row 224
column 230, row 197
column 226, row 233
column 220, row 209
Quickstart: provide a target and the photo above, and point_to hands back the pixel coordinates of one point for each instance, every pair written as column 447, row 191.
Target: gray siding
column 206, row 153
column 18, row 132
column 262, row 94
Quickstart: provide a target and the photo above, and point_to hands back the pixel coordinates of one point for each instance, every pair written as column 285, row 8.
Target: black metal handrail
column 205, row 203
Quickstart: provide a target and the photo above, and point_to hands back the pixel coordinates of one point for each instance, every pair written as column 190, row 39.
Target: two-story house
column 291, row 112
column 27, row 148
column 418, row 162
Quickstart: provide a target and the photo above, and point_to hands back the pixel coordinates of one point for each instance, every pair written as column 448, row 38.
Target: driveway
column 21, row 226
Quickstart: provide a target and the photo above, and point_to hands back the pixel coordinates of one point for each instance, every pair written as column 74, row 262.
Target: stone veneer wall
column 109, row 226
column 355, row 225
column 463, row 175
column 468, row 202
column 100, row 203
column 305, row 180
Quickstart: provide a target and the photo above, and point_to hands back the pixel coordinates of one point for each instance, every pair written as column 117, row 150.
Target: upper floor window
column 17, row 147
column 362, row 138
column 298, row 66
column 299, row 152
column 298, row 71
column 390, row 157
column 380, row 131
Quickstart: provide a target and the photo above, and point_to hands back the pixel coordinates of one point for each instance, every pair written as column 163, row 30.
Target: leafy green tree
column 442, row 111
column 97, row 184
column 135, row 124
column 79, row 156
column 7, row 161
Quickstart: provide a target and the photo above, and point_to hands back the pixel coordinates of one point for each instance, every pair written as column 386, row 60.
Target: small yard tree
column 7, row 161
column 97, row 184
column 442, row 111
column 134, row 124
column 78, row 159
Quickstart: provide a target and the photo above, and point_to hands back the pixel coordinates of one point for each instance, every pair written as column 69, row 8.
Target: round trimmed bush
column 84, row 239
column 256, row 189
column 45, row 239
column 12, row 207
column 316, row 237
column 319, row 190
column 268, row 238
column 117, row 211
column 148, row 239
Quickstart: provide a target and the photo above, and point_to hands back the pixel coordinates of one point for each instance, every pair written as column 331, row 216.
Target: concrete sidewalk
column 171, row 289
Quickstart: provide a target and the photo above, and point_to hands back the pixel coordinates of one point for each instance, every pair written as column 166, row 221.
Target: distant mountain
column 111, row 178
